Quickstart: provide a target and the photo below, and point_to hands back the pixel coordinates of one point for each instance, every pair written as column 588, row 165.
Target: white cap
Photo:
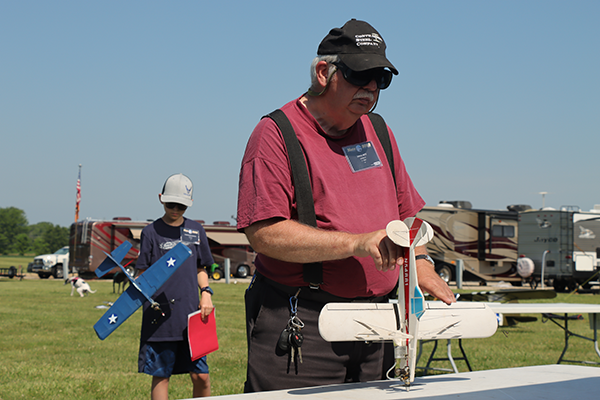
column 177, row 189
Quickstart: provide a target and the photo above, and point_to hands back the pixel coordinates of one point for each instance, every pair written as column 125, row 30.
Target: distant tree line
column 17, row 236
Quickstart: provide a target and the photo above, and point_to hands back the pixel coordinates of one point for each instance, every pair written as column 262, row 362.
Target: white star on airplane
column 171, row 262
column 112, row 319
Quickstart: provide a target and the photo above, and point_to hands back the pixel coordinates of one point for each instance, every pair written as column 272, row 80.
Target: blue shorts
column 163, row 359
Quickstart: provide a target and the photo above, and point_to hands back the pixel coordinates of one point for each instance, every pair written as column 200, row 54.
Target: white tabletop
column 548, row 382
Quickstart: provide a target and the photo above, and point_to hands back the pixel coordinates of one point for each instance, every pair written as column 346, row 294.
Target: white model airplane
column 411, row 318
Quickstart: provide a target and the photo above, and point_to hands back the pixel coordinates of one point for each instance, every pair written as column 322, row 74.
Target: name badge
column 362, row 156
column 190, row 236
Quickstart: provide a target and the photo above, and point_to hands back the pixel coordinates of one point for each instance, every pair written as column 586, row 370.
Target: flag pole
column 78, row 195
column 73, row 248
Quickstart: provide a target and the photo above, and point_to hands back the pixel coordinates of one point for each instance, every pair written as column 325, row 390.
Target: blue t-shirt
column 178, row 296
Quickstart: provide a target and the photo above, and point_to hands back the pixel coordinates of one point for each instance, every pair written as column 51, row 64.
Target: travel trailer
column 562, row 246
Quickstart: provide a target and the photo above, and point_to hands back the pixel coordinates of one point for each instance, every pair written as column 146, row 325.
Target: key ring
column 296, row 323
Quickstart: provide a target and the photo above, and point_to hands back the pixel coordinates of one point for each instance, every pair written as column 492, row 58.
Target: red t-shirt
column 357, row 201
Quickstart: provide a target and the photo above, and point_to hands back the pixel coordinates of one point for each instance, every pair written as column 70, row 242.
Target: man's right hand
column 377, row 245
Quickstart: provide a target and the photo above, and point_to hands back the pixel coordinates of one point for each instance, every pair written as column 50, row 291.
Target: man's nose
column 371, row 86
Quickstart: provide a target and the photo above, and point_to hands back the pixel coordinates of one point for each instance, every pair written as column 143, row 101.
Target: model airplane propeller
column 411, row 318
column 141, row 289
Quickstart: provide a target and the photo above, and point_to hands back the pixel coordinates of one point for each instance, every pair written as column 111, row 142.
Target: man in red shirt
column 354, row 195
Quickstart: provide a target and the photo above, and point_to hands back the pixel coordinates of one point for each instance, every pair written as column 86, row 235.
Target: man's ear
column 322, row 70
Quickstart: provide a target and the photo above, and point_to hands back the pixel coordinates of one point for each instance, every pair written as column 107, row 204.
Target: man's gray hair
column 315, row 86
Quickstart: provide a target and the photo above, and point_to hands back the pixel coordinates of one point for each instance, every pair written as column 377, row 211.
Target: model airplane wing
column 122, row 309
column 340, row 322
column 141, row 289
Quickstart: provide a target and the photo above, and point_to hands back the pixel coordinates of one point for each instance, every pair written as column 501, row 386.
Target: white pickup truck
column 51, row 264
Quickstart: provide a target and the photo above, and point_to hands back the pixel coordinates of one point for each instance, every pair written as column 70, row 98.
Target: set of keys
column 291, row 338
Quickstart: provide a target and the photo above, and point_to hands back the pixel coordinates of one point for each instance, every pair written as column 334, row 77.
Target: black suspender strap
column 304, row 197
column 384, row 138
column 313, row 272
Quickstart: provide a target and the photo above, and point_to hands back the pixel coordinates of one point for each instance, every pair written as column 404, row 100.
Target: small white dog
column 80, row 285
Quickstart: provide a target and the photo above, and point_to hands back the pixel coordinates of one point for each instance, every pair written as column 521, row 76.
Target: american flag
column 78, row 195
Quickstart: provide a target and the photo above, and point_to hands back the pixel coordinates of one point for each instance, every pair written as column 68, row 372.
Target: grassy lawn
column 49, row 349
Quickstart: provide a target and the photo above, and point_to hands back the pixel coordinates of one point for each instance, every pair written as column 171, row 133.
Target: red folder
column 202, row 335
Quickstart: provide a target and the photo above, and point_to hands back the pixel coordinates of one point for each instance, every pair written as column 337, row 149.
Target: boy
column 164, row 349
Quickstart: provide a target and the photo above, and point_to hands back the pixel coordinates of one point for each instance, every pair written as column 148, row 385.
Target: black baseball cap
column 358, row 45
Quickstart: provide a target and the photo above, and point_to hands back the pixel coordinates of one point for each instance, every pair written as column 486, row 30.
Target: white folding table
column 551, row 311
column 547, row 382
column 593, row 311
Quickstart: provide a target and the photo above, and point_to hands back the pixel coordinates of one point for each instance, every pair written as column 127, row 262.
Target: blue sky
column 496, row 101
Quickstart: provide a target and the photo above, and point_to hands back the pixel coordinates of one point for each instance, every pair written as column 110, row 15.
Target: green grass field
column 49, row 349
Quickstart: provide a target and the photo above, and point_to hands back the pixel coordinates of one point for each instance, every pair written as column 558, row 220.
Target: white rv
column 563, row 245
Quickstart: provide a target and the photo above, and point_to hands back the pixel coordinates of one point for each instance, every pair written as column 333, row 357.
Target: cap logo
column 368, row 39
column 187, row 190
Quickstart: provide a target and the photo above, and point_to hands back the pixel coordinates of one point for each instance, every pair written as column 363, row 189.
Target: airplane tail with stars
column 113, row 260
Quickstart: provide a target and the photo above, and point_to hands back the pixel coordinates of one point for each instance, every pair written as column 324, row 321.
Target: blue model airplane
column 140, row 289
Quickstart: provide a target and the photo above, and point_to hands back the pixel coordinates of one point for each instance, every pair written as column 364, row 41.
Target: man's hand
column 430, row 282
column 206, row 305
column 380, row 248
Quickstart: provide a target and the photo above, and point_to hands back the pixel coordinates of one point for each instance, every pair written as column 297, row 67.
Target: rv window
column 503, row 231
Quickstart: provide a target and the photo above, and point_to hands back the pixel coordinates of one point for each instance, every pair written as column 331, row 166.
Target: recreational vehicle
column 91, row 239
column 562, row 246
column 485, row 240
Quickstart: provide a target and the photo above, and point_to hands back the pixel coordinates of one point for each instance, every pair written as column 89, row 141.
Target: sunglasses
column 178, row 206
column 382, row 77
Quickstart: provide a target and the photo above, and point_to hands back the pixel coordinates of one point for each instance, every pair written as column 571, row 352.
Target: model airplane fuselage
column 141, row 289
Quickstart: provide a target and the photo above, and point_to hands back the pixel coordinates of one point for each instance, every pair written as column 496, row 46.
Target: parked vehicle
column 47, row 265
column 485, row 240
column 562, row 246
column 11, row 272
column 226, row 242
column 90, row 239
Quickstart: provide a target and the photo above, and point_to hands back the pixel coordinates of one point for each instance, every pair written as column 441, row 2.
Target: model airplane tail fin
column 113, row 259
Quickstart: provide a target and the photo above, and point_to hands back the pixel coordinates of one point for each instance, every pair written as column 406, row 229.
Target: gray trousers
column 324, row 363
